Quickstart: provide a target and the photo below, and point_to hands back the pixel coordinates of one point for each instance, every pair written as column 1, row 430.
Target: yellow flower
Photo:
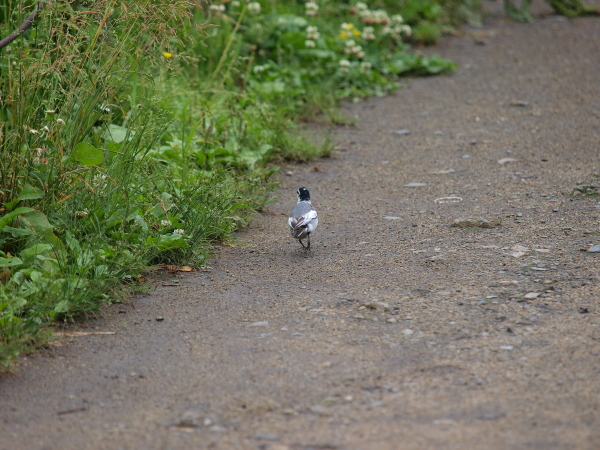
column 167, row 55
column 344, row 35
column 356, row 32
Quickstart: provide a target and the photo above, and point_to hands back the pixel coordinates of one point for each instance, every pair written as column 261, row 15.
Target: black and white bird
column 303, row 219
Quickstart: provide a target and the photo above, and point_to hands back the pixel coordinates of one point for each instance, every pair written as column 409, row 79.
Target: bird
column 303, row 219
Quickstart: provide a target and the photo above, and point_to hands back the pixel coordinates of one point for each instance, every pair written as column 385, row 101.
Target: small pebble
column 595, row 249
column 160, row 318
column 407, row 332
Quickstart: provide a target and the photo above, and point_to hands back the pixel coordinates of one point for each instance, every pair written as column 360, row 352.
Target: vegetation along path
column 399, row 330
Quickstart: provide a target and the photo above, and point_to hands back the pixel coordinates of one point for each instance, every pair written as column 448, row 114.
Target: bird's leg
column 308, row 237
column 302, row 244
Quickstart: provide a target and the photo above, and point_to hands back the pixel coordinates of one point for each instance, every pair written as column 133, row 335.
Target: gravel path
column 399, row 330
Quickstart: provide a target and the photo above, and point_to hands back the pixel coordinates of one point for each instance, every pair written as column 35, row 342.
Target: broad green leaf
column 35, row 250
column 62, row 306
column 38, row 221
column 7, row 218
column 27, row 193
column 87, row 154
column 117, row 133
column 10, row 262
column 30, row 193
column 17, row 232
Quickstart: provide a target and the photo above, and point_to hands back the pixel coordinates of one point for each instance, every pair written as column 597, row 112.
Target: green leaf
column 30, row 193
column 168, row 242
column 35, row 250
column 10, row 262
column 117, row 133
column 7, row 218
column 62, row 307
column 38, row 221
column 16, row 232
column 87, row 154
column 27, row 193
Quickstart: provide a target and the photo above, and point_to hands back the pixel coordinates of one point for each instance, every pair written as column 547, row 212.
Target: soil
column 398, row 330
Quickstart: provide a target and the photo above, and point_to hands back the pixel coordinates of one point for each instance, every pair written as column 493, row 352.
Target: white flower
column 406, row 29
column 82, row 214
column 59, row 121
column 310, row 44
column 166, row 223
column 368, row 33
column 344, row 65
column 220, row 8
column 100, row 182
column 350, row 43
column 312, row 33
column 361, row 6
column 179, row 231
column 360, row 55
column 311, row 8
column 50, row 111
column 32, row 131
column 235, row 3
column 397, row 19
column 254, row 7
column 379, row 17
column 365, row 67
column 258, row 69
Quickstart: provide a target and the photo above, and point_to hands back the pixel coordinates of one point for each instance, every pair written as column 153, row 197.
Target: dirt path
column 482, row 337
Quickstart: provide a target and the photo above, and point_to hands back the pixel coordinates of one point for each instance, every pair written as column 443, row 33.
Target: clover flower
column 166, row 223
column 254, row 7
column 344, row 65
column 312, row 33
column 310, row 44
column 258, row 69
column 218, row 8
column 81, row 214
column 397, row 31
column 365, row 67
column 311, row 8
column 368, row 33
column 397, row 19
column 180, row 231
column 376, row 17
column 353, row 49
column 99, row 182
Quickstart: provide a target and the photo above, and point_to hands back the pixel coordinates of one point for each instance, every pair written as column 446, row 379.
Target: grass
column 134, row 134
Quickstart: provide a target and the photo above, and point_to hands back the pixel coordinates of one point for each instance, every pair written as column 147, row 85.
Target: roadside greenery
column 140, row 133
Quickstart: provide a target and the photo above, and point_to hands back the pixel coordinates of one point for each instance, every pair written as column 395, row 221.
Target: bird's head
column 303, row 195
